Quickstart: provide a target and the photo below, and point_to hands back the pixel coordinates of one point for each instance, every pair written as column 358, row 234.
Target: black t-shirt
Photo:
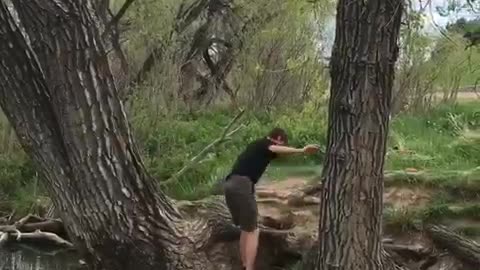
column 253, row 161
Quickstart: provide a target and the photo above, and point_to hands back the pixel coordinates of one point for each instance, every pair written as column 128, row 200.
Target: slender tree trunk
column 362, row 71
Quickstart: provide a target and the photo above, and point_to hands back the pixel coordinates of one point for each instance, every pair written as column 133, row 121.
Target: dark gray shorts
column 240, row 199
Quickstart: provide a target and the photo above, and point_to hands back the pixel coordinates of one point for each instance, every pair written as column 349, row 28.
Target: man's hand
column 311, row 149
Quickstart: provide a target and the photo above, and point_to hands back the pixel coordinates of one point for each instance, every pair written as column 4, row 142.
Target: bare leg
column 243, row 239
column 251, row 245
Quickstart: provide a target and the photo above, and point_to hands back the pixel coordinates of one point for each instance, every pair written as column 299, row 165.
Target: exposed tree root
column 459, row 246
column 35, row 229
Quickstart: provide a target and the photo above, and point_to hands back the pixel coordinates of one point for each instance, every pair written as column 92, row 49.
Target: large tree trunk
column 362, row 71
column 58, row 93
column 76, row 131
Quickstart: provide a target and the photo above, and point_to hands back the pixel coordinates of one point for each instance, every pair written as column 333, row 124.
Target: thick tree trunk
column 76, row 131
column 58, row 93
column 362, row 71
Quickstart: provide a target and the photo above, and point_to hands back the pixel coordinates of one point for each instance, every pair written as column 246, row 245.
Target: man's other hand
column 311, row 149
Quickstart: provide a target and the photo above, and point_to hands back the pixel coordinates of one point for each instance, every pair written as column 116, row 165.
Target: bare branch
column 226, row 134
column 36, row 236
column 117, row 17
column 471, row 5
column 32, row 227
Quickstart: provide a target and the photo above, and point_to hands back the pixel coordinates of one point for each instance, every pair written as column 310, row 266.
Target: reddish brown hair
column 278, row 132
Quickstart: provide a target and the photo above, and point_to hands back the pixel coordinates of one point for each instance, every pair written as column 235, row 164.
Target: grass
column 444, row 142
column 436, row 140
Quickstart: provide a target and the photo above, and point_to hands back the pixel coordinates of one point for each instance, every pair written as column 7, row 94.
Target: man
column 240, row 187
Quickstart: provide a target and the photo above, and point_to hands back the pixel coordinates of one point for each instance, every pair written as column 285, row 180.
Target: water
column 28, row 258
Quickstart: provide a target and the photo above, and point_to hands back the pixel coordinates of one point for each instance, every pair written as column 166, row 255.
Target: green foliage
column 464, row 26
column 280, row 63
column 432, row 67
column 16, row 182
column 15, row 172
column 415, row 73
column 168, row 144
column 277, row 62
column 434, row 141
column 458, row 66
column 440, row 140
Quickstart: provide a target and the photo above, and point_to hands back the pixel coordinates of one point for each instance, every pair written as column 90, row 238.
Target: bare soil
column 283, row 200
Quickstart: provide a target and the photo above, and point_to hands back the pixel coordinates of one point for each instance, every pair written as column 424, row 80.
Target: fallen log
column 31, row 223
column 38, row 237
column 37, row 229
column 51, row 226
column 42, row 237
column 459, row 246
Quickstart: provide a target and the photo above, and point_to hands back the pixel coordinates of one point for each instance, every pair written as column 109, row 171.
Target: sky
column 434, row 22
column 433, row 19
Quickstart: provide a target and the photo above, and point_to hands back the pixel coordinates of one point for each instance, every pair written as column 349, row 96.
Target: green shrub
column 174, row 141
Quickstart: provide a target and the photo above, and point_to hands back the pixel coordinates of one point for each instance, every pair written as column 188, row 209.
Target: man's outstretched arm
column 279, row 149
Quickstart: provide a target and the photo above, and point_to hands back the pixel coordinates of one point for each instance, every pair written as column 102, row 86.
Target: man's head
column 278, row 136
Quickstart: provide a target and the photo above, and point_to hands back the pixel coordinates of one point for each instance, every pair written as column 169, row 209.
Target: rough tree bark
column 362, row 72
column 106, row 199
column 60, row 97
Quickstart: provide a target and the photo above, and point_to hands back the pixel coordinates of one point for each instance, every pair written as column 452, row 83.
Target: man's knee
column 248, row 221
column 250, row 231
column 249, row 227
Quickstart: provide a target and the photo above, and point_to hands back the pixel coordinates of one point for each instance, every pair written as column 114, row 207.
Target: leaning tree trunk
column 58, row 93
column 362, row 72
column 69, row 119
column 75, row 129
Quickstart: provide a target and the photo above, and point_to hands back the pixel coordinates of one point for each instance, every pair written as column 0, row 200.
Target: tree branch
column 117, row 17
column 35, row 228
column 38, row 236
column 226, row 134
